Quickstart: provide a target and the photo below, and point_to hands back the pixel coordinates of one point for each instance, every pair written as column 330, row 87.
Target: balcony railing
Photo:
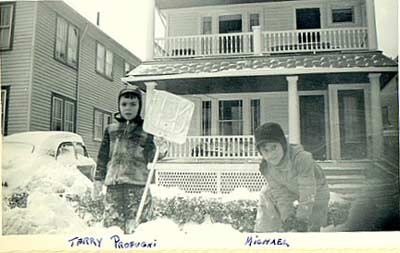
column 206, row 147
column 312, row 40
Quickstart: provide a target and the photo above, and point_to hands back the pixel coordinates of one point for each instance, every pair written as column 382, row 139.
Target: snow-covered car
column 65, row 148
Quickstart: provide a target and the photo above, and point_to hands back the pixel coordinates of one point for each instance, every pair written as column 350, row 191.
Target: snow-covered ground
column 49, row 211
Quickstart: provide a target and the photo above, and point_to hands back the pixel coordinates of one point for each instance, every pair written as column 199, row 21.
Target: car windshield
column 81, row 150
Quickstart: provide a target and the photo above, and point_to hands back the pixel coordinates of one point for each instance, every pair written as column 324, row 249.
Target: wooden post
column 257, row 40
column 150, row 8
column 294, row 110
column 376, row 116
column 372, row 39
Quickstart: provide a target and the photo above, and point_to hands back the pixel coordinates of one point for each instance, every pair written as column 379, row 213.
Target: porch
column 263, row 42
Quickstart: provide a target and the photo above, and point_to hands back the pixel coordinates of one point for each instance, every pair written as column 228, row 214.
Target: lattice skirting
column 215, row 178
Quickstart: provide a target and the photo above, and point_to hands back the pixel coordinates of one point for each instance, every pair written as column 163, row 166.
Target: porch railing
column 270, row 42
column 203, row 45
column 315, row 40
column 205, row 147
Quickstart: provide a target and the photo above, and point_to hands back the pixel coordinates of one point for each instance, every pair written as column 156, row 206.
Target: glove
column 294, row 224
column 162, row 145
column 97, row 190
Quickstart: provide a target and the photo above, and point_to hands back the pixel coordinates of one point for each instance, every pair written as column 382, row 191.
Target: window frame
column 10, row 26
column 64, row 101
column 353, row 18
column 208, row 123
column 66, row 50
column 255, row 120
column 103, row 123
column 103, row 71
column 241, row 119
column 4, row 109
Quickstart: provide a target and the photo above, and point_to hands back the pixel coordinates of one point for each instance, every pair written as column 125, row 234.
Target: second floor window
column 343, row 15
column 67, row 42
column 104, row 61
column 6, row 19
column 128, row 67
column 101, row 120
column 63, row 114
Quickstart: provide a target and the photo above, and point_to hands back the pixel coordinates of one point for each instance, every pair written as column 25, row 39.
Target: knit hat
column 270, row 132
column 130, row 89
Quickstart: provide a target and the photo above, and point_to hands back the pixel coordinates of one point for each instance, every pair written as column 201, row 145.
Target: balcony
column 214, row 147
column 267, row 42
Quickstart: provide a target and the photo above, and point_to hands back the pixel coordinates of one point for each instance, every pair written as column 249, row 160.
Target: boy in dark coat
column 296, row 195
column 122, row 163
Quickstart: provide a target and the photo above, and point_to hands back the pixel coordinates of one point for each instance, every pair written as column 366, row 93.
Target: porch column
column 294, row 110
column 372, row 39
column 376, row 116
column 150, row 7
column 149, row 93
column 257, row 40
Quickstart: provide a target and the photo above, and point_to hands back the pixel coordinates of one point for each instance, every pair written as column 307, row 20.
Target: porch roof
column 294, row 64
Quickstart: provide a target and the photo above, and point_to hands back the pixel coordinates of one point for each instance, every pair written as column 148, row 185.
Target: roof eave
column 258, row 72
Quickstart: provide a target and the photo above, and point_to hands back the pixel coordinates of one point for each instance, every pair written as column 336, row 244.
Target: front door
column 308, row 18
column 353, row 142
column 312, row 125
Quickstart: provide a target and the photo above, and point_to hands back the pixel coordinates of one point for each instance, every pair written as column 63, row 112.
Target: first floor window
column 255, row 114
column 206, row 118
column 230, row 117
column 4, row 99
column 63, row 114
column 104, row 61
column 101, row 120
column 6, row 25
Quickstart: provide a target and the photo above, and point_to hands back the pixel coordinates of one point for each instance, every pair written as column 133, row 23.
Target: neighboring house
column 312, row 66
column 58, row 71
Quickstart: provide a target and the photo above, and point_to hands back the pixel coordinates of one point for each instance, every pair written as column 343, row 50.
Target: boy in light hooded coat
column 296, row 195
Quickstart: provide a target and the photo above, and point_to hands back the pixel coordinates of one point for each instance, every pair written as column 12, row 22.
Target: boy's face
column 129, row 107
column 272, row 152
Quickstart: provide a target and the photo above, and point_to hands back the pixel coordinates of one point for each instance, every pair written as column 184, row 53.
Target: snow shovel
column 167, row 116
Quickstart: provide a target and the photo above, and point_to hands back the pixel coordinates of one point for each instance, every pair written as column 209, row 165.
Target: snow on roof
column 263, row 65
column 48, row 139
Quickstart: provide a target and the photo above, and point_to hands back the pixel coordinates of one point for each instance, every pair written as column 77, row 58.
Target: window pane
column 100, row 58
column 3, row 109
column 255, row 114
column 73, row 45
column 206, row 118
column 230, row 110
column 109, row 63
column 61, row 40
column 4, row 37
column 254, row 21
column 5, row 14
column 206, row 25
column 106, row 121
column 69, row 116
column 127, row 68
column 342, row 15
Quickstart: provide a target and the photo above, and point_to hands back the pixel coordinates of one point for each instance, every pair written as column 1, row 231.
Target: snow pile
column 189, row 234
column 46, row 184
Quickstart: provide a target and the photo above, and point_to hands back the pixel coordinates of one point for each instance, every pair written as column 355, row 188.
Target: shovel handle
column 146, row 188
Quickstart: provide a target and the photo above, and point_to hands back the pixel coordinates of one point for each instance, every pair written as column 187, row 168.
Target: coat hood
column 130, row 89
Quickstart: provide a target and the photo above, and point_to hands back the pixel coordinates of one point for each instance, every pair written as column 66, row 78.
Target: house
column 58, row 71
column 312, row 66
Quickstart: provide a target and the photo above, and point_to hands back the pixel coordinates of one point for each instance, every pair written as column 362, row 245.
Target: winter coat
column 298, row 177
column 124, row 154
